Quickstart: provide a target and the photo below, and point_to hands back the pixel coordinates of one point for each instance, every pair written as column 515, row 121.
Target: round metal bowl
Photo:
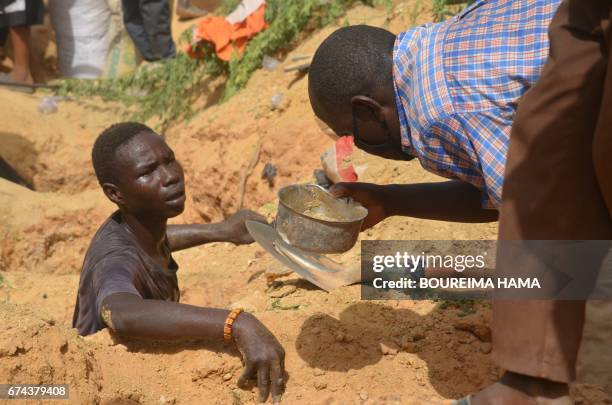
column 311, row 219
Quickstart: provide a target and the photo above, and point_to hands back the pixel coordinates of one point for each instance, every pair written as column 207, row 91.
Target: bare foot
column 517, row 389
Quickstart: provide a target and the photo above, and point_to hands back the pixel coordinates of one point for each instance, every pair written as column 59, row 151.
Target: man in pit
column 128, row 282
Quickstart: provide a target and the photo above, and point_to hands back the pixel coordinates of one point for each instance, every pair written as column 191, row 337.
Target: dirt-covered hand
column 263, row 356
column 368, row 195
column 235, row 227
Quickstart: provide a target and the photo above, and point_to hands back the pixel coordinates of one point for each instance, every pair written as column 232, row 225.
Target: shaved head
column 354, row 60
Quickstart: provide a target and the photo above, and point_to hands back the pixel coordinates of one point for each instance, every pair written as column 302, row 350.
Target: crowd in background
column 94, row 37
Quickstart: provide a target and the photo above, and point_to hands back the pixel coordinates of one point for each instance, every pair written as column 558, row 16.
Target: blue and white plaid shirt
column 457, row 84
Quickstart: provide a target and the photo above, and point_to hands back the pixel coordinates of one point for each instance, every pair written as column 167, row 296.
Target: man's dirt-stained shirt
column 457, row 85
column 115, row 263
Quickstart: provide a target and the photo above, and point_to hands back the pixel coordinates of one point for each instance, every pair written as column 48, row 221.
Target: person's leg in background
column 3, row 36
column 157, row 24
column 602, row 144
column 135, row 26
column 551, row 192
column 20, row 39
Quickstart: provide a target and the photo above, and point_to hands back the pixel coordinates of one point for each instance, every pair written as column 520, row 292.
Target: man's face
column 383, row 132
column 151, row 180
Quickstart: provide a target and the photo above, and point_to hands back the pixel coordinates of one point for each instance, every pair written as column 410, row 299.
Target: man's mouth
column 176, row 196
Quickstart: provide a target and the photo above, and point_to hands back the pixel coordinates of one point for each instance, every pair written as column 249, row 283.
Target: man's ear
column 367, row 109
column 113, row 193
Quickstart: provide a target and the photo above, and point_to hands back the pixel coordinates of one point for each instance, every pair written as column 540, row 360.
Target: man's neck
column 149, row 231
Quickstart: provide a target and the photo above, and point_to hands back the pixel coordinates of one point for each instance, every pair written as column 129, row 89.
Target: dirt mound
column 46, row 232
column 34, row 350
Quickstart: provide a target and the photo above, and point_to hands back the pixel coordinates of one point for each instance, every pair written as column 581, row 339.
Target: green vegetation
column 277, row 305
column 414, row 12
column 166, row 91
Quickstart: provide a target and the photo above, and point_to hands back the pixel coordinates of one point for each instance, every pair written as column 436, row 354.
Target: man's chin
column 176, row 210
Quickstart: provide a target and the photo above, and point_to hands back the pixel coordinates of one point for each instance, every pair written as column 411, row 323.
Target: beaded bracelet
column 229, row 323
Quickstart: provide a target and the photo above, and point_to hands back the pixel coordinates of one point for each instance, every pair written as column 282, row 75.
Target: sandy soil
column 340, row 349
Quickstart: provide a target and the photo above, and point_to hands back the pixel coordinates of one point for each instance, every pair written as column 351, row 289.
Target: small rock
column 394, row 399
column 363, row 395
column 227, row 376
column 482, row 332
column 48, row 105
column 388, row 348
column 318, row 372
column 340, row 337
column 320, row 385
column 269, row 63
column 486, row 348
column 276, row 101
column 283, row 291
column 269, row 173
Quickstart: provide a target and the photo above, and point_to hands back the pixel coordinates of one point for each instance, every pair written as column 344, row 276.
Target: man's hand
column 368, row 195
column 264, row 357
column 129, row 315
column 235, row 229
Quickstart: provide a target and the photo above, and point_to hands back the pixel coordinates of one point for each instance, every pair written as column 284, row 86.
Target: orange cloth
column 228, row 38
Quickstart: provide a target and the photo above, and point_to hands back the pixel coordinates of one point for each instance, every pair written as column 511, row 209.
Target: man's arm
column 231, row 230
column 130, row 315
column 453, row 201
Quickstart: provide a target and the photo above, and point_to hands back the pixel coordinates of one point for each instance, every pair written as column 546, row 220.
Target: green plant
column 287, row 19
column 167, row 91
column 276, row 304
column 414, row 12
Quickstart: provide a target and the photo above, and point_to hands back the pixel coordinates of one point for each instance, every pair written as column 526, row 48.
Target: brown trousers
column 558, row 183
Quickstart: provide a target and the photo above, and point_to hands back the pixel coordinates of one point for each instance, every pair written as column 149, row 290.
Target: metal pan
column 311, row 219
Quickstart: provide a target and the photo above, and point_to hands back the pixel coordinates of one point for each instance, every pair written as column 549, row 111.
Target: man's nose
column 170, row 175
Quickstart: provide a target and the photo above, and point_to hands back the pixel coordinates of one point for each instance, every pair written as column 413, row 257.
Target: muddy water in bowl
column 311, row 219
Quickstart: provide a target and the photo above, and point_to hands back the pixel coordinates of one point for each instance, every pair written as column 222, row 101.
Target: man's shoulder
column 111, row 242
